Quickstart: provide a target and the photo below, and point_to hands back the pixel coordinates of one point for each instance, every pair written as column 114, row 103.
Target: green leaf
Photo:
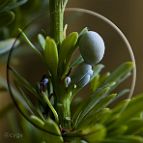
column 16, row 94
column 76, row 62
column 120, row 73
column 3, row 4
column 84, row 30
column 65, row 30
column 24, row 83
column 98, row 80
column 27, row 100
column 41, row 41
column 104, row 102
column 94, row 133
column 118, row 76
column 101, row 104
column 83, row 141
column 77, row 140
column 124, row 139
column 89, row 105
column 52, row 127
column 97, row 69
column 133, row 108
column 121, row 94
column 103, row 115
column 51, row 106
column 37, row 121
column 6, row 45
column 51, row 55
column 29, row 42
column 67, row 48
column 99, row 117
column 117, row 109
column 94, row 84
column 14, row 4
column 135, row 126
column 115, row 115
column 120, row 130
column 120, row 116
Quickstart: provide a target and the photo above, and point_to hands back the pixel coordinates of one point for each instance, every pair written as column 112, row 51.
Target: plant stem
column 57, row 8
column 64, row 104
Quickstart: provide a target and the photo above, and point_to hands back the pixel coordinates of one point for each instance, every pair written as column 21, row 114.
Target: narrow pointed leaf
column 68, row 46
column 120, row 72
column 133, row 108
column 124, row 139
column 135, row 126
column 29, row 42
column 51, row 107
column 84, row 30
column 41, row 41
column 23, row 82
column 94, row 133
column 51, row 55
column 104, row 102
column 13, row 4
column 37, row 121
column 78, row 61
column 16, row 94
column 89, row 105
column 97, row 69
column 52, row 127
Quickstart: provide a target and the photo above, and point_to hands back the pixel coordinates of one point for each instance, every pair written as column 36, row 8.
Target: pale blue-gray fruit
column 92, row 47
column 90, row 72
column 84, row 81
column 82, row 74
column 80, row 71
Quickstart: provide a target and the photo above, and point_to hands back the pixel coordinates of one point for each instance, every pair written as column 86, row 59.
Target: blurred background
column 126, row 14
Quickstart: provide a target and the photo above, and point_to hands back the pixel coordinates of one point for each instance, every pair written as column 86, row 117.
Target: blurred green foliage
column 15, row 14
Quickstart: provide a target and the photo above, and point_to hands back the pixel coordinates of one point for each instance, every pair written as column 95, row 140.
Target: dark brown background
column 128, row 16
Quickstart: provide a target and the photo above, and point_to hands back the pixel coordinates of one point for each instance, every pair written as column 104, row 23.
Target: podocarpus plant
column 93, row 119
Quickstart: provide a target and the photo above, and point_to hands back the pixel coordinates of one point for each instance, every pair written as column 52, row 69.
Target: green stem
column 64, row 104
column 57, row 8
